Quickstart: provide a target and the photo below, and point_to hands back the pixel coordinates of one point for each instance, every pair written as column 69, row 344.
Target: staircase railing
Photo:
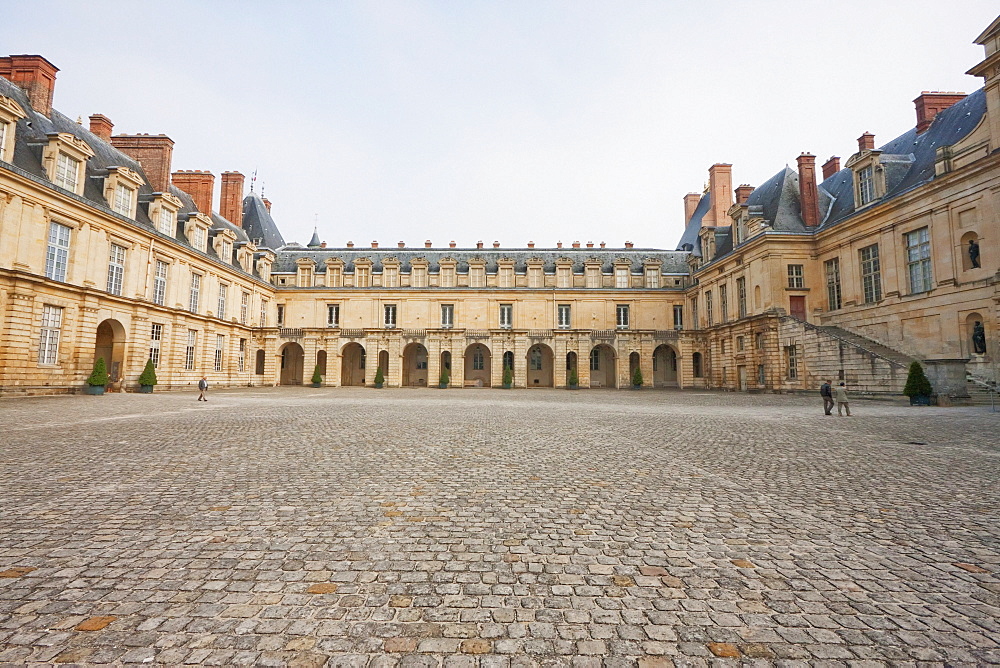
column 853, row 344
column 989, row 385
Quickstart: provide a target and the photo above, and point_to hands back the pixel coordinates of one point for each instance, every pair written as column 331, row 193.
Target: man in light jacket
column 840, row 394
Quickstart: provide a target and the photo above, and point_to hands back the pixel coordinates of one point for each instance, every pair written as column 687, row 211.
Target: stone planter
column 920, row 400
column 145, row 389
column 378, row 386
column 442, row 386
column 94, row 389
column 317, row 384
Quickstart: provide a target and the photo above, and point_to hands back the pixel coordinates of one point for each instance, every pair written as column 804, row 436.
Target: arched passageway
column 110, row 345
column 352, row 365
column 664, row 366
column 292, row 358
column 540, row 366
column 478, row 365
column 603, row 366
column 414, row 365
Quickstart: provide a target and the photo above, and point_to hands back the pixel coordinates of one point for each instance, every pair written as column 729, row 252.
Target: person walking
column 826, row 391
column 203, row 388
column 842, row 400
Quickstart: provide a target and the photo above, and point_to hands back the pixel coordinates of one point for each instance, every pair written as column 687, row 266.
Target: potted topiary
column 444, row 379
column 147, row 379
column 317, row 378
column 508, row 377
column 379, row 378
column 637, row 379
column 574, row 380
column 98, row 379
column 918, row 387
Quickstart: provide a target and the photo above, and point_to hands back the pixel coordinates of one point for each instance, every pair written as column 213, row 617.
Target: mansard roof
column 673, row 262
column 259, row 225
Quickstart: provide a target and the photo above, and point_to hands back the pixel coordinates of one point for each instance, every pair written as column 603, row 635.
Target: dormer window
column 166, row 221
column 10, row 113
column 64, row 158
column 199, row 238
column 123, row 199
column 196, row 230
column 866, row 185
column 869, row 175
column 163, row 212
column 120, row 189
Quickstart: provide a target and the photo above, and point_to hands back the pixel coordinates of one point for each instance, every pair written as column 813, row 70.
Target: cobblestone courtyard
column 294, row 526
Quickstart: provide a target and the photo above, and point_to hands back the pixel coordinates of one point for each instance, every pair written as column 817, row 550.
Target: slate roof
column 259, row 225
column 674, row 262
column 690, row 237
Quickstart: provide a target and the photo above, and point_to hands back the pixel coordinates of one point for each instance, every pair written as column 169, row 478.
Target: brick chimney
column 866, row 142
column 496, row 244
column 590, row 244
column 531, row 244
column 808, row 194
column 602, row 244
column 931, row 103
column 576, row 244
column 374, row 244
column 401, row 244
column 558, row 244
column 690, row 204
column 267, row 203
column 831, row 167
column 35, row 75
column 231, row 206
column 720, row 187
column 743, row 193
column 479, row 244
column 350, row 244
column 427, row 244
column 199, row 185
column 629, row 244
column 451, row 244
column 101, row 126
column 153, row 152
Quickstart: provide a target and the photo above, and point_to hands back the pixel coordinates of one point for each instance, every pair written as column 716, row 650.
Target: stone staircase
column 867, row 345
column 982, row 392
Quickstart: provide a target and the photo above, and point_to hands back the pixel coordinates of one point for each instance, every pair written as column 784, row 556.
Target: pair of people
column 829, row 394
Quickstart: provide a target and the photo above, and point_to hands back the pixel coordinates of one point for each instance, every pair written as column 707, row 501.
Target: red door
column 797, row 306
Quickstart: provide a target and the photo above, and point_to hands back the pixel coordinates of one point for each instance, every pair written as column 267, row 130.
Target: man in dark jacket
column 826, row 391
column 203, row 388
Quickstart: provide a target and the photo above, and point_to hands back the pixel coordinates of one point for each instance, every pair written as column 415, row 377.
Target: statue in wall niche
column 974, row 253
column 979, row 338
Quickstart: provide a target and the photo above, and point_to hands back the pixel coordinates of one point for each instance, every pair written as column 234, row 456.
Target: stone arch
column 603, row 366
column 633, row 364
column 664, row 366
column 541, row 366
column 478, row 365
column 321, row 362
column 109, row 343
column 292, row 362
column 414, row 365
column 352, row 364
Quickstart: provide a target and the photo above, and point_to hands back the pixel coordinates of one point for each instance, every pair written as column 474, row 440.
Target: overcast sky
column 512, row 121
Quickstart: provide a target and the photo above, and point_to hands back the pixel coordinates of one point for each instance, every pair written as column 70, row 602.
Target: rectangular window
column 57, row 257
column 123, row 200
column 67, row 172
column 740, row 344
column 223, row 296
column 678, row 316
column 595, row 359
column 226, row 252
column 447, row 316
column 244, row 307
column 724, row 303
column 220, row 343
column 694, row 313
column 758, row 340
column 709, row 310
column 116, row 269
column 189, row 350
column 3, row 140
column 652, row 278
column 333, row 315
column 871, row 274
column 160, row 283
column 761, row 377
column 242, row 359
column 390, row 277
column 155, row 338
column 418, row 277
column 506, row 277
column 565, row 321
column 866, row 186
column 741, row 297
column 534, row 277
column 390, row 316
column 48, row 343
column 263, row 312
column 535, row 359
column 791, row 355
column 281, row 315
column 478, row 360
column 621, row 277
column 593, row 277
column 506, row 316
column 621, row 316
column 833, row 297
column 796, row 277
column 166, row 223
column 918, row 259
column 564, row 277
column 195, row 295
column 199, row 238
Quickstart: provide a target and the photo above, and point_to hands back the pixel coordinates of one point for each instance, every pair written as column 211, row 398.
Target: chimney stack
column 101, row 126
column 558, row 244
column 401, row 244
column 690, row 204
column 35, row 75
column 479, row 244
column 590, row 244
column 531, row 244
column 629, row 244
column 427, row 244
column 866, row 142
column 931, row 103
column 576, row 244
column 602, row 244
column 267, row 203
column 496, row 244
column 451, row 244
column 743, row 193
column 374, row 244
column 831, row 167
column 153, row 152
column 808, row 193
column 231, row 206
column 720, row 188
column 198, row 185
column 350, row 244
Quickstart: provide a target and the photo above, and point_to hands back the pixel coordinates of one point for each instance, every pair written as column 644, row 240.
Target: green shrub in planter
column 147, row 379
column 918, row 387
column 444, row 378
column 574, row 379
column 637, row 378
column 508, row 377
column 379, row 378
column 99, row 376
column 317, row 378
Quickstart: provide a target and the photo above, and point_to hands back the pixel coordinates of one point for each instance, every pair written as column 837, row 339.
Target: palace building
column 846, row 274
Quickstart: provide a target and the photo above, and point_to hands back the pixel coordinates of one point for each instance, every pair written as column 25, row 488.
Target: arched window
column 696, row 362
column 259, row 363
column 508, row 360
